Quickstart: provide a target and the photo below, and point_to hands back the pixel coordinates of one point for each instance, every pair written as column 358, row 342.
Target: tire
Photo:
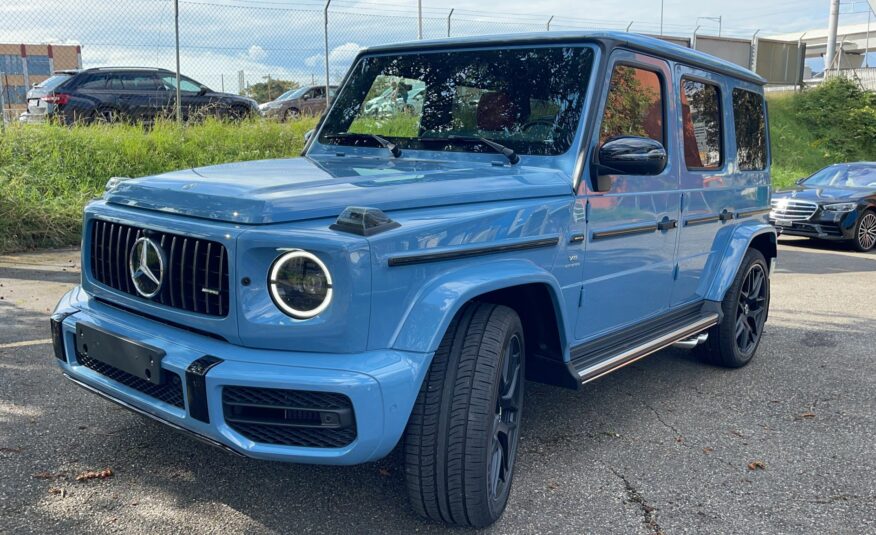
column 734, row 341
column 106, row 116
column 865, row 232
column 291, row 114
column 461, row 439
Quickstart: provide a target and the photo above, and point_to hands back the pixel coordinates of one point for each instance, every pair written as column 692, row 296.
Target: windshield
column 54, row 81
column 843, row 176
column 528, row 99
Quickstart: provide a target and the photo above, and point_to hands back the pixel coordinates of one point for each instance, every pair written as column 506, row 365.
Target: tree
column 261, row 91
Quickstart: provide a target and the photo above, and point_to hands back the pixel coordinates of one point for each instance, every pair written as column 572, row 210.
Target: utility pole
column 176, row 29
column 830, row 54
column 661, row 17
column 448, row 21
column 328, row 95
column 419, row 19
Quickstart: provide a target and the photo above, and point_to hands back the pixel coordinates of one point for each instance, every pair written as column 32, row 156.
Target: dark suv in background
column 136, row 94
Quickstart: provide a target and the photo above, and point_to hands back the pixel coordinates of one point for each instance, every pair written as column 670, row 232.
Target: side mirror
column 308, row 135
column 629, row 156
column 203, row 91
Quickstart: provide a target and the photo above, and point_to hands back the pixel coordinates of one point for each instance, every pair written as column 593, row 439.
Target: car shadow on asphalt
column 62, row 275
column 797, row 257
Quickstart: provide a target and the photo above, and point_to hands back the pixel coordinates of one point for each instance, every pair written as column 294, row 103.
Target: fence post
column 328, row 95
column 548, row 25
column 419, row 19
column 753, row 61
column 2, row 103
column 448, row 21
column 176, row 31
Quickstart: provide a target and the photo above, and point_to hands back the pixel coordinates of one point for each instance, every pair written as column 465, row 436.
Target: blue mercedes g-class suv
column 560, row 206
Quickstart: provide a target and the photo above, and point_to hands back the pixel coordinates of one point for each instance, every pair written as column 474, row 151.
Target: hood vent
column 363, row 221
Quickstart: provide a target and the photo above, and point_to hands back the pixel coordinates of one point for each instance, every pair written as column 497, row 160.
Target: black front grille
column 290, row 417
column 196, row 274
column 170, row 391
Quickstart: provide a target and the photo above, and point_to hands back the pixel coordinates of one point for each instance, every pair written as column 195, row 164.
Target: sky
column 284, row 38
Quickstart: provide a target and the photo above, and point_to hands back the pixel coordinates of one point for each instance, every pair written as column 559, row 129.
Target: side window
column 634, row 106
column 317, row 92
column 139, row 82
column 701, row 123
column 95, row 81
column 748, row 117
column 185, row 85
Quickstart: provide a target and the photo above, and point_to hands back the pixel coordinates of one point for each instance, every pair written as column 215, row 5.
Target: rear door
column 140, row 94
column 708, row 192
column 631, row 235
column 313, row 101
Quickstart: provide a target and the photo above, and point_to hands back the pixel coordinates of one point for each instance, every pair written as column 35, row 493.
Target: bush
column 835, row 122
column 48, row 172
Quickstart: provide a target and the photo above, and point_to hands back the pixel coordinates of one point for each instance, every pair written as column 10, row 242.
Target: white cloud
column 339, row 57
column 256, row 53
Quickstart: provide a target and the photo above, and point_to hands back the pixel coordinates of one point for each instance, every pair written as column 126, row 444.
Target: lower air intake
column 290, row 417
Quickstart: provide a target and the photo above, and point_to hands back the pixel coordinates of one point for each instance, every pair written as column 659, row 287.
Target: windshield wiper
column 385, row 143
column 501, row 149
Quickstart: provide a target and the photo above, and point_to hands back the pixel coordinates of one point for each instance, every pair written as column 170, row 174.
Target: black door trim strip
column 614, row 233
column 474, row 251
column 700, row 220
column 753, row 211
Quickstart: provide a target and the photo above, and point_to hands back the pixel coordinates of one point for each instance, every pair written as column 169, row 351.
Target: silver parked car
column 307, row 100
column 37, row 108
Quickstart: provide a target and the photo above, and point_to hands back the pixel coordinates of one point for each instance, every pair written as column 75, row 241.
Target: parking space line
column 26, row 343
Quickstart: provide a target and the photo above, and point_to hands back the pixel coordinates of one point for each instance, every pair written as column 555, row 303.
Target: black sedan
column 836, row 203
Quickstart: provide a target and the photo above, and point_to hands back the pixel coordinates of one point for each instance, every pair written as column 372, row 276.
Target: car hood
column 822, row 194
column 276, row 191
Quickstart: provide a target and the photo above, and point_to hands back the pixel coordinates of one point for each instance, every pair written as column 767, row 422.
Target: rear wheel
column 733, row 342
column 461, row 440
column 291, row 114
column 106, row 116
column 865, row 232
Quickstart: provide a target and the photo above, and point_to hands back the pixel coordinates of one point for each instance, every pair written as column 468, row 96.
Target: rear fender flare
column 737, row 246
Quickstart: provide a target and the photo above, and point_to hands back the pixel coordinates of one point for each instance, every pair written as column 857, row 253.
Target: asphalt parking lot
column 668, row 445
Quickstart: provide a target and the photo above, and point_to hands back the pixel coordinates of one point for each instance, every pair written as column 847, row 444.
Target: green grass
column 48, row 172
column 834, row 123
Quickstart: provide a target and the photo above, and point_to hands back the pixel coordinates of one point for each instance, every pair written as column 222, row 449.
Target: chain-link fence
column 254, row 47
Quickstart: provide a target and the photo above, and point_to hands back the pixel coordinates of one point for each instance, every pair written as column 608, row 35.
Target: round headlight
column 301, row 285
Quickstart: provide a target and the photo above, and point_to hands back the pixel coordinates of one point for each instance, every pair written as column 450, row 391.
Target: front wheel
column 865, row 232
column 461, row 440
column 733, row 342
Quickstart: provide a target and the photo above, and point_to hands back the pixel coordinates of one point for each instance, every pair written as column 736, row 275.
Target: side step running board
column 633, row 354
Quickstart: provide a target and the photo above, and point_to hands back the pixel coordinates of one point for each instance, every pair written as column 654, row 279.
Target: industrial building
column 22, row 66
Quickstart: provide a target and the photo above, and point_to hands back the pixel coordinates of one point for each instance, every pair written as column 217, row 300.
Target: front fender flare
column 737, row 246
column 430, row 313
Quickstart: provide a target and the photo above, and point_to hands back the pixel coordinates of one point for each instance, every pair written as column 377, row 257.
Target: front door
column 631, row 228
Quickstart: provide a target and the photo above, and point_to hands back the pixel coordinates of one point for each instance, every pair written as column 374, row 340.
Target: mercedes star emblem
column 146, row 261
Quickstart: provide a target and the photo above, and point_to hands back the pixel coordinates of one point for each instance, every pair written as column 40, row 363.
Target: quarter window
column 701, row 123
column 634, row 106
column 748, row 117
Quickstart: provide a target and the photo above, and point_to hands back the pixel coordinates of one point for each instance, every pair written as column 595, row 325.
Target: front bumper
column 381, row 385
column 824, row 226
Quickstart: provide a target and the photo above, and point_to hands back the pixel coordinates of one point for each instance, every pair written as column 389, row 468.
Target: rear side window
column 95, row 81
column 139, row 82
column 701, row 116
column 634, row 106
column 748, row 117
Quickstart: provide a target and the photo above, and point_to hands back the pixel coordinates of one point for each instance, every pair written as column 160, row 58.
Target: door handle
column 667, row 224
